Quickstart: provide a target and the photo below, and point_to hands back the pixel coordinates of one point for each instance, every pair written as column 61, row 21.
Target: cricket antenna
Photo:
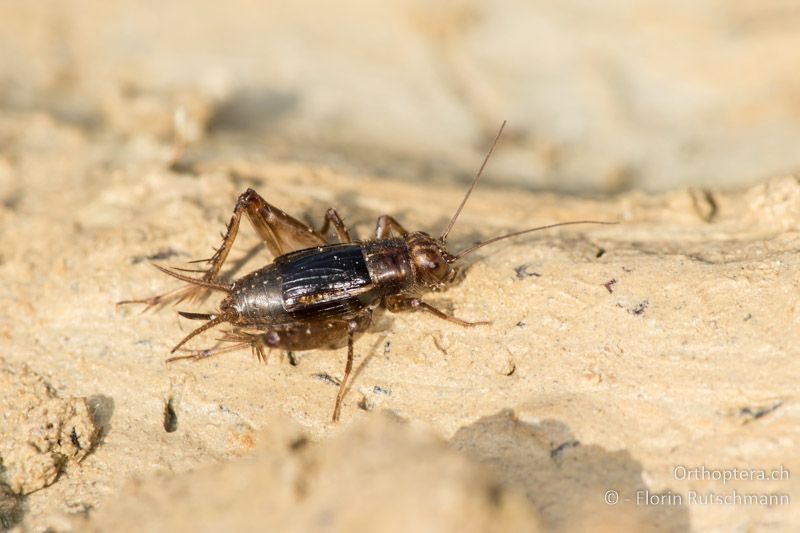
column 474, row 247
column 443, row 238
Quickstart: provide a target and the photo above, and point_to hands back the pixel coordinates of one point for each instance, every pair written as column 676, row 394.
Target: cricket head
column 433, row 264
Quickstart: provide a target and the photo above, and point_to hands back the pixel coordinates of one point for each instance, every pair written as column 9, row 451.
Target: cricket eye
column 433, row 262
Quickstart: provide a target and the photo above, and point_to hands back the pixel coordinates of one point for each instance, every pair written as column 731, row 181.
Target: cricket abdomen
column 256, row 298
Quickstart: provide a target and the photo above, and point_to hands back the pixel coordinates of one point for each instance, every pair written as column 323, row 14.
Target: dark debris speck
column 366, row 404
column 558, row 450
column 756, row 412
column 327, row 378
column 524, row 271
column 170, row 417
column 640, row 308
column 73, row 436
column 298, row 443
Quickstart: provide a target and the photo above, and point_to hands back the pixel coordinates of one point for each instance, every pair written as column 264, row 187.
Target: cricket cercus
column 318, row 294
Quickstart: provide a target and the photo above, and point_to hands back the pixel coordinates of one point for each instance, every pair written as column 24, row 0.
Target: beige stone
column 40, row 432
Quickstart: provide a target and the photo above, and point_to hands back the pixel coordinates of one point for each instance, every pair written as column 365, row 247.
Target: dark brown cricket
column 316, row 294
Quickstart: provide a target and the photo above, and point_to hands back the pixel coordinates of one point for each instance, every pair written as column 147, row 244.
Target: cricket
column 320, row 294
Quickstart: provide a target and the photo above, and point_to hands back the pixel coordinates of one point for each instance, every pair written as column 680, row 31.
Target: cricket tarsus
column 318, row 294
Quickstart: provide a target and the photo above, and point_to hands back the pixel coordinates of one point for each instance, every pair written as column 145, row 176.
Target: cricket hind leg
column 196, row 289
column 175, row 296
column 280, row 232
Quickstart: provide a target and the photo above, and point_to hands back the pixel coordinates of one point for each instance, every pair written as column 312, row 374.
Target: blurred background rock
column 600, row 95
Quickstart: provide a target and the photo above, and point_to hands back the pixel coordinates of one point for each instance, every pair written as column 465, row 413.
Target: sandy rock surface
column 380, row 475
column 616, row 354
